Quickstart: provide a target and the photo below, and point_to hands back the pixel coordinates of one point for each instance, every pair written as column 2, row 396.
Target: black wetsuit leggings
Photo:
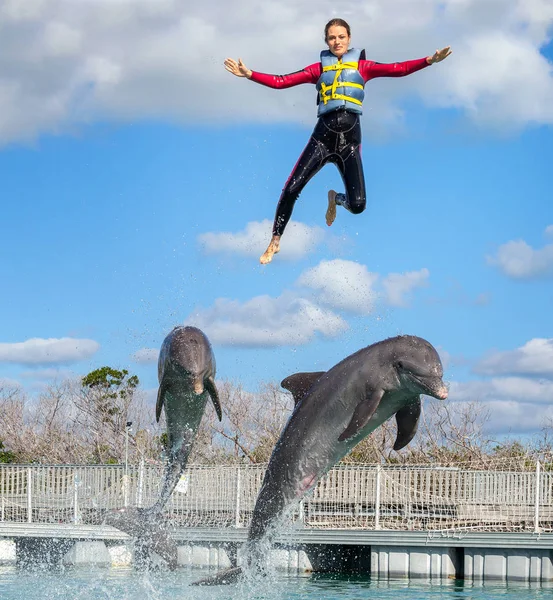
column 337, row 139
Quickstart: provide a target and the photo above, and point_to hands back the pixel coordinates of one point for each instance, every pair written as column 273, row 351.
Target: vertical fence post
column 140, row 483
column 302, row 512
column 407, row 487
column 3, row 507
column 76, row 485
column 377, row 498
column 237, row 500
column 537, row 500
column 29, row 495
column 126, row 487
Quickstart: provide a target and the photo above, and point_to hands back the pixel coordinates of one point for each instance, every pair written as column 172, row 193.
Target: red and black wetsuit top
column 367, row 68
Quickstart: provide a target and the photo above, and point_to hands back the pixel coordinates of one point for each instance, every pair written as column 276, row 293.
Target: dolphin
column 334, row 411
column 186, row 374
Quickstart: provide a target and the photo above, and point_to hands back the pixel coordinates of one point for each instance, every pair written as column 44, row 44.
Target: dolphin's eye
column 400, row 364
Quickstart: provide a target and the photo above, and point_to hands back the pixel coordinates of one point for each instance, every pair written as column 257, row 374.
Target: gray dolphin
column 186, row 372
column 334, row 411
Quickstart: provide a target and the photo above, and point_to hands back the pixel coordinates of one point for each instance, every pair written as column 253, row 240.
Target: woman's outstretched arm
column 310, row 74
column 370, row 70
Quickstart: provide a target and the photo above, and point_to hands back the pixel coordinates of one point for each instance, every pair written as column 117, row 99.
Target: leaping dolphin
column 186, row 374
column 334, row 411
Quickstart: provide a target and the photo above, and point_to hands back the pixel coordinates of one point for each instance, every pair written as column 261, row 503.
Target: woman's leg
column 309, row 163
column 351, row 169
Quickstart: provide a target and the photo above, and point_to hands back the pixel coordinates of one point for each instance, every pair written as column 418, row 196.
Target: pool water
column 126, row 584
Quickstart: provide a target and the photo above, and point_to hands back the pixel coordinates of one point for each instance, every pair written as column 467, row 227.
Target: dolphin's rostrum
column 334, row 411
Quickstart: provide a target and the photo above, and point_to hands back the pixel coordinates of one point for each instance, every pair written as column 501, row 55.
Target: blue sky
column 117, row 191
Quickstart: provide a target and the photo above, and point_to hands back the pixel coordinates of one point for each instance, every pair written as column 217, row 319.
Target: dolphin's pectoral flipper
column 361, row 415
column 212, row 390
column 407, row 422
column 300, row 383
column 163, row 387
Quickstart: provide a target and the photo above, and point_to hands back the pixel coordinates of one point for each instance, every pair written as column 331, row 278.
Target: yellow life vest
column 340, row 83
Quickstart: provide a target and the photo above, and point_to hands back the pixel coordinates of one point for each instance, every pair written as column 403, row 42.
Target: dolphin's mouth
column 195, row 379
column 435, row 389
column 198, row 385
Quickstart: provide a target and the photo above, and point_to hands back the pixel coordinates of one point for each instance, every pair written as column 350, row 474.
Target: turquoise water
column 126, row 584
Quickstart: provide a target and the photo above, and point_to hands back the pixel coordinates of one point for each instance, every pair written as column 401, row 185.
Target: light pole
column 127, row 427
column 126, row 478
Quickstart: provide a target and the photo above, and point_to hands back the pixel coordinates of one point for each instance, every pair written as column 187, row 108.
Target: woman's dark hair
column 336, row 23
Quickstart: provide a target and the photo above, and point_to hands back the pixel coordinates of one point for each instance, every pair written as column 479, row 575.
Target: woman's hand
column 237, row 68
column 439, row 55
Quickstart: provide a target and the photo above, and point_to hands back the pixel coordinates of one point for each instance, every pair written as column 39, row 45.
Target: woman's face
column 337, row 39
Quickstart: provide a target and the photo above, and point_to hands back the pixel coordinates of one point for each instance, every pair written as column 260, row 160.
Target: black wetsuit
column 335, row 139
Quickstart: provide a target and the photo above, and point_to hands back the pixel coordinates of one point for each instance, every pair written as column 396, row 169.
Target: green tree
column 111, row 391
column 106, row 398
column 6, row 456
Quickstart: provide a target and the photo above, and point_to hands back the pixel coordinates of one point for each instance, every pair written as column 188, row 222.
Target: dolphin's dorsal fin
column 407, row 420
column 300, row 383
column 212, row 389
column 163, row 387
column 361, row 415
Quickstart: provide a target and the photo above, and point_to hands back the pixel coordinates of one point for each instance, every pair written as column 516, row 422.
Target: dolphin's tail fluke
column 255, row 565
column 147, row 529
column 225, row 577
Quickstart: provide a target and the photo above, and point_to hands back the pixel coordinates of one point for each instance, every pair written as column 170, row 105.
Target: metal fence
column 506, row 497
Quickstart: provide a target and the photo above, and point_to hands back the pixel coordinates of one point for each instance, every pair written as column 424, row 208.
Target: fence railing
column 508, row 497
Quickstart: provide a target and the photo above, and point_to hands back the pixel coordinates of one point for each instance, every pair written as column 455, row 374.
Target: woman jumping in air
column 340, row 77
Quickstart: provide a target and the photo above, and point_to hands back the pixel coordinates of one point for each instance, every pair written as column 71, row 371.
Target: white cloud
column 500, row 79
column 61, row 40
column 62, row 64
column 519, row 260
column 14, row 10
column 48, row 351
column 517, row 389
column 513, row 417
column 342, row 284
column 293, row 319
column 519, row 393
column 533, row 358
column 266, row 322
column 398, row 286
column 146, row 355
column 254, row 238
column 47, row 374
column 518, row 417
column 549, row 231
column 515, row 404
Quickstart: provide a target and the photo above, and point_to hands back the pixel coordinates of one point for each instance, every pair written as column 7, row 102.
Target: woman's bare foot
column 273, row 248
column 331, row 210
